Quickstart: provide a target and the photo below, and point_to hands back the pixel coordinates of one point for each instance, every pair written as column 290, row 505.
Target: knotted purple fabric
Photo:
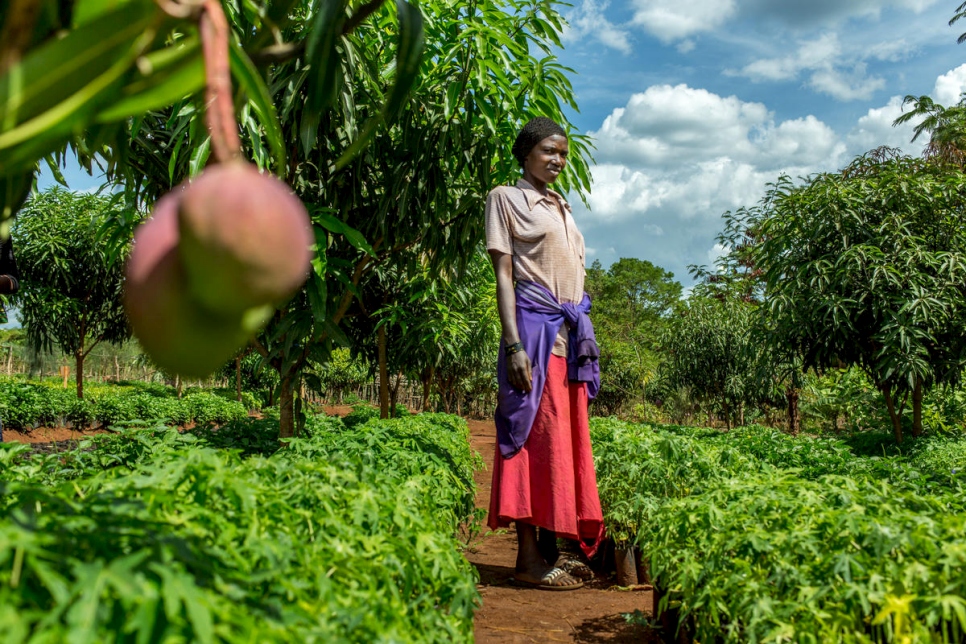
column 539, row 317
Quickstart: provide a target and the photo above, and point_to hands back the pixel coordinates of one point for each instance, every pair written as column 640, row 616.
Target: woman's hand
column 518, row 371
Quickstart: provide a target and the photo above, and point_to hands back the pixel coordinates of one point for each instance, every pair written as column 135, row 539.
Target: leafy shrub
column 209, row 408
column 156, row 536
column 773, row 557
column 360, row 414
column 760, row 536
column 26, row 404
column 639, row 468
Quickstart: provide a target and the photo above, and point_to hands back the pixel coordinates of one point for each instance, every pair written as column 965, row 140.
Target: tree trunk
column 891, row 406
column 383, row 374
column 238, row 378
column 917, row 408
column 179, row 385
column 428, row 387
column 286, row 408
column 791, row 396
column 426, row 390
column 394, row 395
column 117, row 369
column 79, row 357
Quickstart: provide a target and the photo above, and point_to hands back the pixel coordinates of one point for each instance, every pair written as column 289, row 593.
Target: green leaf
column 86, row 11
column 324, row 66
column 174, row 73
column 408, row 56
column 55, row 170
column 333, row 224
column 41, row 107
column 260, row 97
column 62, row 67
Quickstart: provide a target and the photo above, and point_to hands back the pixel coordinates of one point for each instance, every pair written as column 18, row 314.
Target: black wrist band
column 510, row 349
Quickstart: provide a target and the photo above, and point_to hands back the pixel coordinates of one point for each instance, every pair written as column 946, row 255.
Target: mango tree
column 632, row 302
column 71, row 286
column 867, row 267
column 385, row 177
column 710, row 349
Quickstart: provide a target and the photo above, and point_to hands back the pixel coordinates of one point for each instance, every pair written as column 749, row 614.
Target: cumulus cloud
column 821, row 58
column 950, row 86
column 671, row 20
column 674, row 158
column 588, row 20
column 826, row 12
column 875, row 128
column 675, row 125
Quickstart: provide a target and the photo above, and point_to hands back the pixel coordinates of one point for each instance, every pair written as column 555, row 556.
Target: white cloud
column 673, row 159
column 674, row 125
column 950, row 86
column 588, row 21
column 846, row 85
column 822, row 57
column 811, row 54
column 875, row 129
column 671, row 20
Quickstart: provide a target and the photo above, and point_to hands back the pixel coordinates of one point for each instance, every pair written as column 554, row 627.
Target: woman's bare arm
column 518, row 364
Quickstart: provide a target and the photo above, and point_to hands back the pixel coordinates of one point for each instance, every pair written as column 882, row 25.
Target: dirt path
column 514, row 614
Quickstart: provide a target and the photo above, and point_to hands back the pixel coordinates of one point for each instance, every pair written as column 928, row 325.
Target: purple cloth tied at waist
column 539, row 318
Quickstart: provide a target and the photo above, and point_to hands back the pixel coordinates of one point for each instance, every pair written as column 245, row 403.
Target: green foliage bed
column 762, row 537
column 25, row 404
column 220, row 536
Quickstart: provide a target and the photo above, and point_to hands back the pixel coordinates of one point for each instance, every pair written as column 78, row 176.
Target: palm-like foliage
column 946, row 127
column 960, row 13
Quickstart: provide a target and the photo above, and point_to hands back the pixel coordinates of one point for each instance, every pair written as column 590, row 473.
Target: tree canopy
column 867, row 267
column 71, row 286
column 632, row 302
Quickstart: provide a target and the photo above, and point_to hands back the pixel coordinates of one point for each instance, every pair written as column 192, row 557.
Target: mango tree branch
column 262, row 351
column 219, row 108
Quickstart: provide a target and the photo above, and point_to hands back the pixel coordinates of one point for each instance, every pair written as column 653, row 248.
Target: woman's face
column 547, row 159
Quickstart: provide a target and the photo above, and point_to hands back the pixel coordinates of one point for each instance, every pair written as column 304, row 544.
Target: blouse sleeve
column 498, row 235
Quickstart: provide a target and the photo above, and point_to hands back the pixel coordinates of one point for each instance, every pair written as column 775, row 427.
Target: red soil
column 48, row 434
column 510, row 613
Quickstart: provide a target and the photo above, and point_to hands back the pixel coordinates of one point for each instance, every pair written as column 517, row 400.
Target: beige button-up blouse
column 541, row 235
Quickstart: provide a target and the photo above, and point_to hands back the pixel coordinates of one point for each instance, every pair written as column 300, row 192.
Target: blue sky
column 695, row 105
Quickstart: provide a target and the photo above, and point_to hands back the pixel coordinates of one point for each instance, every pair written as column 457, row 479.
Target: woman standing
column 9, row 283
column 543, row 473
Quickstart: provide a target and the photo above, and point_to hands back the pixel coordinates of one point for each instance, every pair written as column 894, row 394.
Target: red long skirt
column 551, row 481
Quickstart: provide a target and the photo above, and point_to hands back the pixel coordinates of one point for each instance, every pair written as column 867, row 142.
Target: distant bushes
column 25, row 404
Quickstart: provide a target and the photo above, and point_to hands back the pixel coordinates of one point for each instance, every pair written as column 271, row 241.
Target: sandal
column 575, row 568
column 550, row 581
